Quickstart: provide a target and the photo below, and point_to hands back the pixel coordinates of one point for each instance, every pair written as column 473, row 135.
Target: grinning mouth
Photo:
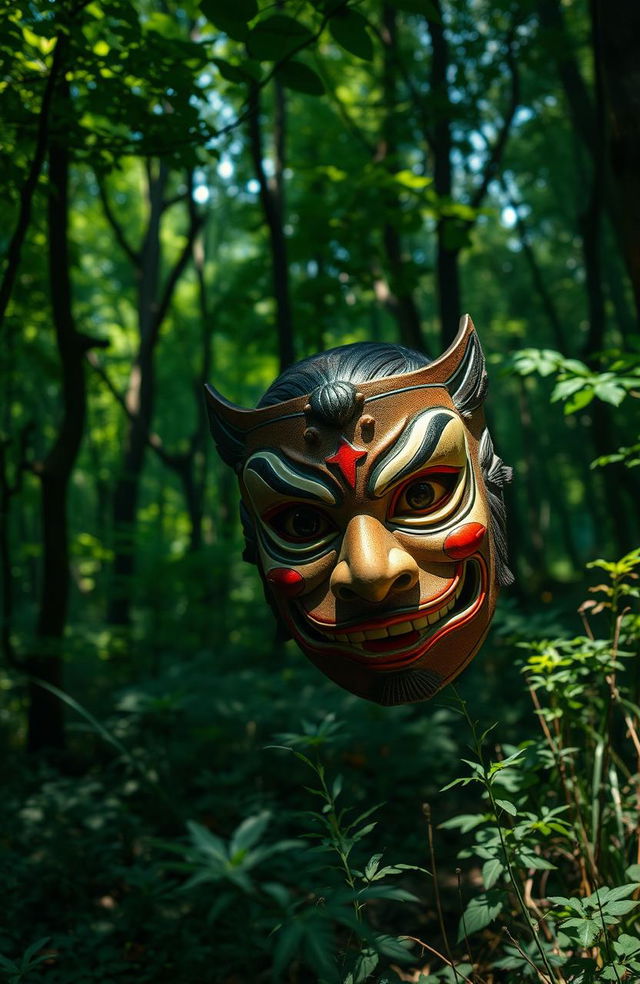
column 401, row 637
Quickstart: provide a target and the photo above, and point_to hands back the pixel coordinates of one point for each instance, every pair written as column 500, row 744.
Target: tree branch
column 153, row 440
column 118, row 231
column 498, row 148
column 29, row 187
column 195, row 224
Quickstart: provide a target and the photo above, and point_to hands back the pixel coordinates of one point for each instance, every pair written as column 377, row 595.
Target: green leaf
column 206, row 842
column 231, row 21
column 425, row 7
column 480, row 912
column 626, row 946
column 507, row 807
column 579, row 401
column 610, row 392
column 586, row 930
column 33, row 949
column 298, row 76
column 372, row 866
column 365, row 965
column 620, row 892
column 232, row 73
column 619, row 908
column 568, row 387
column 248, row 833
column 491, row 871
column 276, row 37
column 349, row 30
column 390, row 892
column 392, row 947
column 633, row 872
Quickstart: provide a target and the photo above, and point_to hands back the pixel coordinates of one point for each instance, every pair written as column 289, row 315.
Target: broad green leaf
column 349, row 29
column 626, row 945
column 425, row 7
column 206, row 842
column 276, row 37
column 610, row 392
column 298, row 76
column 480, row 911
column 491, row 871
column 619, row 908
column 372, row 866
column 232, row 73
column 620, row 892
column 365, row 965
column 392, row 947
column 226, row 17
column 239, row 10
column 578, row 401
column 248, row 833
column 612, row 972
column 387, row 892
column 507, row 806
column 585, row 931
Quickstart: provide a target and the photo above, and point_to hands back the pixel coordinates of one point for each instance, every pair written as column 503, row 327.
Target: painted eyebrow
column 285, row 478
column 416, row 444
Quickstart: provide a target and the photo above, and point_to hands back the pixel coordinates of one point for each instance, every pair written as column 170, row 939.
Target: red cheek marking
column 464, row 541
column 285, row 580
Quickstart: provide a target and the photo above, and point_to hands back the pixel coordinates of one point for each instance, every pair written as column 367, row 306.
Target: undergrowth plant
column 558, row 842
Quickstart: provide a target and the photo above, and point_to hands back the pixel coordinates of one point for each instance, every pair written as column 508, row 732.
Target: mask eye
column 424, row 494
column 300, row 523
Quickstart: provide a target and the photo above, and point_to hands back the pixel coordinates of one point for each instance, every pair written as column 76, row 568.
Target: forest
column 205, row 192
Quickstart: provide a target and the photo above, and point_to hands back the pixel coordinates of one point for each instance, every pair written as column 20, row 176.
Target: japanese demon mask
column 372, row 504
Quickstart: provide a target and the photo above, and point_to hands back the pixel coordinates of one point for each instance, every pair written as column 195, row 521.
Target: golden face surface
column 374, row 534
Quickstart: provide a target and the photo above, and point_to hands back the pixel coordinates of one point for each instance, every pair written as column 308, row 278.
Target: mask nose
column 372, row 565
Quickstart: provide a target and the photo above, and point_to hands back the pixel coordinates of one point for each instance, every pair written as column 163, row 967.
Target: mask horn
column 226, row 423
column 468, row 383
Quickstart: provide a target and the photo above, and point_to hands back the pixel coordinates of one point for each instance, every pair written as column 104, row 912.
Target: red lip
column 413, row 649
column 424, row 608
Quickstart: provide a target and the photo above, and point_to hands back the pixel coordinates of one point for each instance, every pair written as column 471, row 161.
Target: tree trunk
column 401, row 301
column 616, row 32
column 139, row 401
column 45, row 716
column 272, row 201
column 447, row 271
column 28, row 189
column 615, row 39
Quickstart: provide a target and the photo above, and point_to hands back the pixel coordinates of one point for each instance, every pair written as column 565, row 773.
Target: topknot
column 334, row 402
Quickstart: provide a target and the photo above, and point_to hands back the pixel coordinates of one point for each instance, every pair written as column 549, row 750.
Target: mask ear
column 468, row 383
column 225, row 421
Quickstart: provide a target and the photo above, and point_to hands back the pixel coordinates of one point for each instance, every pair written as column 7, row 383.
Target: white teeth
column 401, row 628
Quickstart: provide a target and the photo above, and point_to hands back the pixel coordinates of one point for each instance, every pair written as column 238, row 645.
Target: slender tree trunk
column 616, row 30
column 45, row 716
column 401, row 301
column 139, row 401
column 272, row 201
column 615, row 37
column 28, row 189
column 447, row 261
column 153, row 306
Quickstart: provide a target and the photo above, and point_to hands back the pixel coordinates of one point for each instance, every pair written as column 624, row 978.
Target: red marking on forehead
column 465, row 540
column 285, row 580
column 346, row 459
